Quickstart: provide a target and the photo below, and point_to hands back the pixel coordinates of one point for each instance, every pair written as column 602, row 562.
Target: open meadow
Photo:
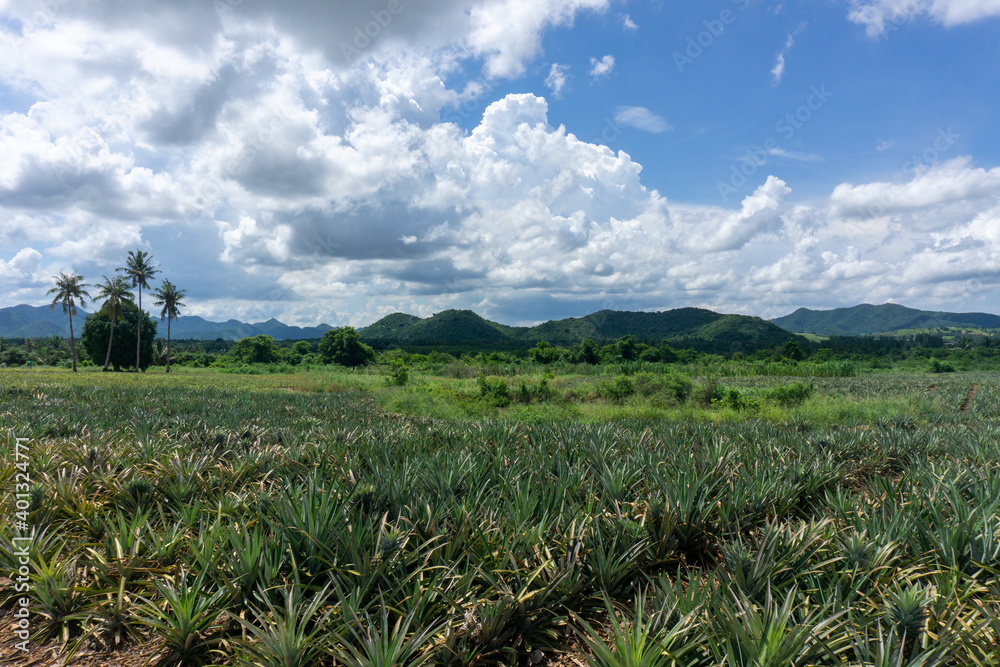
column 629, row 516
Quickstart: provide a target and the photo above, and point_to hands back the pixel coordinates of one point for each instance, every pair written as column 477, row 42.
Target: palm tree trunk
column 168, row 343
column 138, row 340
column 72, row 343
column 114, row 317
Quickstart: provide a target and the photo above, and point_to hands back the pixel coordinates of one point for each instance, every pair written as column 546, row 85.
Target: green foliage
column 663, row 353
column 255, row 350
column 618, row 389
column 937, row 366
column 97, row 333
column 585, row 353
column 14, row 356
column 494, row 390
column 791, row 350
column 735, row 399
column 710, row 393
column 344, row 347
column 399, row 375
column 674, row 388
column 795, row 393
column 544, row 353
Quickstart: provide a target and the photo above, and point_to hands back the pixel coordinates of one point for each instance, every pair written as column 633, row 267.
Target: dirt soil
column 967, row 403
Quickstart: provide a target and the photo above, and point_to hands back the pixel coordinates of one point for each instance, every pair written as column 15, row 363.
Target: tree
column 170, row 298
column 586, row 352
column 256, row 350
column 544, row 353
column 792, row 351
column 139, row 268
column 114, row 291
column 344, row 347
column 628, row 349
column 96, row 337
column 68, row 291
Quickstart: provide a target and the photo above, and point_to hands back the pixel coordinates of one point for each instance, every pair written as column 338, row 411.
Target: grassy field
column 606, row 517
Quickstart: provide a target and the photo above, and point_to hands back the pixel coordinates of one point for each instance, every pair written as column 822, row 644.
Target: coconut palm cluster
column 69, row 292
column 229, row 521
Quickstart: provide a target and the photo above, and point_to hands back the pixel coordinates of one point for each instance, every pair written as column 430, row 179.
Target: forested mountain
column 868, row 319
column 695, row 327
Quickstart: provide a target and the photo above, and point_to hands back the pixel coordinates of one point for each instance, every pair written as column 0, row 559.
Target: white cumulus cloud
column 880, row 16
column 603, row 67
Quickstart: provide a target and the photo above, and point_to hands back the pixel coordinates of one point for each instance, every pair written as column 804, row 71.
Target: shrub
column 940, row 367
column 527, row 394
column 494, row 390
column 14, row 357
column 618, row 390
column 710, row 393
column 674, row 387
column 736, row 400
column 399, row 375
column 795, row 393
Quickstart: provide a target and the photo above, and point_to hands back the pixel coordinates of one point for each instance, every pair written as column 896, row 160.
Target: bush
column 674, row 387
column 527, row 394
column 710, row 393
column 494, row 390
column 399, row 375
column 14, row 357
column 618, row 390
column 940, row 367
column 795, row 393
column 736, row 400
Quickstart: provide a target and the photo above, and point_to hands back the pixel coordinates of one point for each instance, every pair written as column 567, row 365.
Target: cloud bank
column 274, row 173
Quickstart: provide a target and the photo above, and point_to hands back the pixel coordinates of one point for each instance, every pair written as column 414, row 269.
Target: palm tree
column 68, row 291
column 139, row 268
column 114, row 291
column 170, row 298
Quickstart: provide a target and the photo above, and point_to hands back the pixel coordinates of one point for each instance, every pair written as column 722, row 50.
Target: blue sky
column 527, row 159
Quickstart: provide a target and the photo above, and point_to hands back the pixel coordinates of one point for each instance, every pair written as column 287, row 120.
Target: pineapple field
column 288, row 520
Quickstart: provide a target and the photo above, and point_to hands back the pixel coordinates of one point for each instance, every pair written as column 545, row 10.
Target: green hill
column 450, row 327
column 867, row 319
column 689, row 327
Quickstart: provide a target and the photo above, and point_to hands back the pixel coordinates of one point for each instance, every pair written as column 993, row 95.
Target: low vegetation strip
column 226, row 520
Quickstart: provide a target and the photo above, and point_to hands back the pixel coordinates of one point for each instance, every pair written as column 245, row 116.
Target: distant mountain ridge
column 691, row 327
column 42, row 322
column 694, row 327
column 867, row 319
